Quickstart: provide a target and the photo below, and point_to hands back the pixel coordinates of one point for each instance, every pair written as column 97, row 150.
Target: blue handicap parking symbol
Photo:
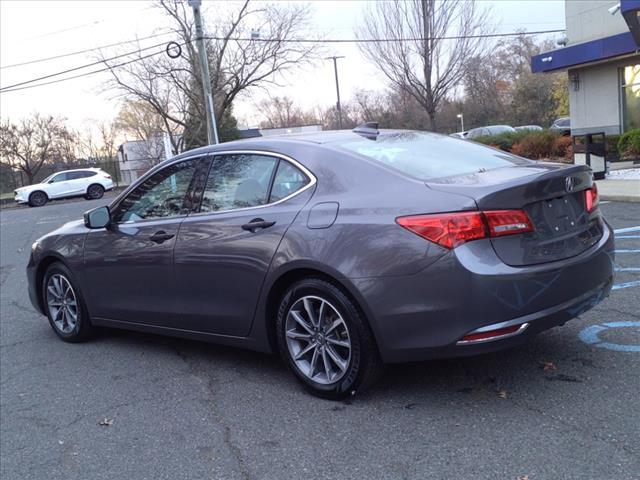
column 591, row 336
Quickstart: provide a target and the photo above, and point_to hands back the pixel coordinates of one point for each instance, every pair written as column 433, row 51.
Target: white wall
column 595, row 107
column 590, row 20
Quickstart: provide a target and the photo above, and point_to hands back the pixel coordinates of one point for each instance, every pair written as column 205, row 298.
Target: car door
column 58, row 185
column 129, row 265
column 224, row 250
column 75, row 183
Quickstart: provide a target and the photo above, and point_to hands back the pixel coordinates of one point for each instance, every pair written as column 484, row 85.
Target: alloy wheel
column 318, row 340
column 38, row 199
column 95, row 192
column 62, row 303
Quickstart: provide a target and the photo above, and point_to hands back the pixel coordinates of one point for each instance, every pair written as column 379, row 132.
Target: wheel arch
column 39, row 191
column 285, row 278
column 41, row 269
column 93, row 185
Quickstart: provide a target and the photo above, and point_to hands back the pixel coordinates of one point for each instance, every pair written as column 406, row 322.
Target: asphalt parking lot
column 563, row 407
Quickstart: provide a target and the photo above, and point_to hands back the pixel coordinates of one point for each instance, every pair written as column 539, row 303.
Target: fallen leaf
column 502, row 393
column 107, row 422
column 548, row 366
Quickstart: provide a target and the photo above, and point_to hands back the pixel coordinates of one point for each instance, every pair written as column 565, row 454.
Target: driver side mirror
column 97, row 218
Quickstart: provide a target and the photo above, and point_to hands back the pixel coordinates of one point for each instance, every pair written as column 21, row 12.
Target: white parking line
column 627, row 230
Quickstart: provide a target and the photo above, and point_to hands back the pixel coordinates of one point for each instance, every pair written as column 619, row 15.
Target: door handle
column 256, row 224
column 160, row 236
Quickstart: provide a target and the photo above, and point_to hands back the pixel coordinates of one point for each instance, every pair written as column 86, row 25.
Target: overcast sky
column 36, row 29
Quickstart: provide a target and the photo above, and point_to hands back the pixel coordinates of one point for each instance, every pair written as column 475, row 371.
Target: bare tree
column 238, row 62
column 415, row 57
column 33, row 142
column 280, row 112
column 108, row 132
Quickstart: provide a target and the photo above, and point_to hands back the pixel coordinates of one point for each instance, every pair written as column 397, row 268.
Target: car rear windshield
column 427, row 156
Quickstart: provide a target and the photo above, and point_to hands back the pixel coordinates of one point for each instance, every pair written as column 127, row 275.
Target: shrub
column 563, row 149
column 612, row 144
column 504, row 141
column 537, row 145
column 629, row 143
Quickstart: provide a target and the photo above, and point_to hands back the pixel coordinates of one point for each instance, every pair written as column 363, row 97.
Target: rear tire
column 64, row 305
column 95, row 192
column 38, row 199
column 326, row 341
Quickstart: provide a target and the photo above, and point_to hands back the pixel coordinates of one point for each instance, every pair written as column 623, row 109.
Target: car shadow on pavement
column 545, row 363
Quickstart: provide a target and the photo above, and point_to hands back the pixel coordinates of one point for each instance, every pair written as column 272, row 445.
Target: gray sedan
column 342, row 251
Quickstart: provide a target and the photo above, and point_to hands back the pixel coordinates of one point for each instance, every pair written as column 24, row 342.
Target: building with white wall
column 601, row 58
column 137, row 156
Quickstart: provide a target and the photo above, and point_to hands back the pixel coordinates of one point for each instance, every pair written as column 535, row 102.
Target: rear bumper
column 424, row 315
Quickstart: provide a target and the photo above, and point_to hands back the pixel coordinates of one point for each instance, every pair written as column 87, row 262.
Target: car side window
column 61, row 177
column 238, row 181
column 161, row 195
column 289, row 179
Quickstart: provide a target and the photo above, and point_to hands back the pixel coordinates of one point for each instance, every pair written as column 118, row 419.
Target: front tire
column 326, row 341
column 38, row 199
column 64, row 305
column 95, row 192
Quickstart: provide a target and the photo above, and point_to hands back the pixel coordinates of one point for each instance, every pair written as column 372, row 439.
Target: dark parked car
column 561, row 125
column 490, row 130
column 339, row 250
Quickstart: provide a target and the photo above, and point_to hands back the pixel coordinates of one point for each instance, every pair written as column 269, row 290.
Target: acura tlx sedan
column 341, row 250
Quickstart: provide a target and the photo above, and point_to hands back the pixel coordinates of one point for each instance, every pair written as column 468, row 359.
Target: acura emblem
column 569, row 183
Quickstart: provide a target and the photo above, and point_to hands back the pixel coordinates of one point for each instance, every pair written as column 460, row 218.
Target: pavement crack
column 211, row 396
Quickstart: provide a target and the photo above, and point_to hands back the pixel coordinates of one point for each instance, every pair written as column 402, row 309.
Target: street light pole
column 212, row 129
column 335, row 69
column 461, row 117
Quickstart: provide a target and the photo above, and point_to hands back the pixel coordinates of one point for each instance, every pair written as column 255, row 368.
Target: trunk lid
column 553, row 197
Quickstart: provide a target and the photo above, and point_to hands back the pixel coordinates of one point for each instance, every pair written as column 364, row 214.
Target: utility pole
column 335, row 69
column 212, row 129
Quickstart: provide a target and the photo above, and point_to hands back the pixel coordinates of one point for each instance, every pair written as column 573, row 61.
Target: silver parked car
column 489, row 130
column 529, row 128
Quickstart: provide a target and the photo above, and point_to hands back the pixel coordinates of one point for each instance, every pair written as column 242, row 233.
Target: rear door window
column 238, row 181
column 288, row 180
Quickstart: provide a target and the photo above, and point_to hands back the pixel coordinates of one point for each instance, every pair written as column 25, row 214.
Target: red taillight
column 108, row 177
column 591, row 198
column 453, row 229
column 446, row 229
column 507, row 222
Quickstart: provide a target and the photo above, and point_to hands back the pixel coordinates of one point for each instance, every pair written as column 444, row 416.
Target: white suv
column 88, row 182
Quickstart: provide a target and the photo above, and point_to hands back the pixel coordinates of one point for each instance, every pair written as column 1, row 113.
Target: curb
column 621, row 198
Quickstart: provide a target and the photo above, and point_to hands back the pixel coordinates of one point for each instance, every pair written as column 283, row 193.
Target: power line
column 70, row 54
column 81, row 67
column 24, row 85
column 383, row 40
column 86, row 73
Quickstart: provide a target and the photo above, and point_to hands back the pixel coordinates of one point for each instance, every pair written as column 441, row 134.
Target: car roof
column 273, row 142
column 93, row 169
